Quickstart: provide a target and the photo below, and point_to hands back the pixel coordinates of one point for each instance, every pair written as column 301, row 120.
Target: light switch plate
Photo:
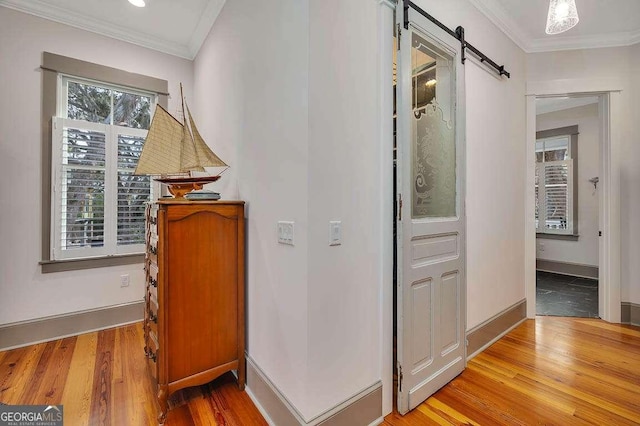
column 286, row 232
column 335, row 233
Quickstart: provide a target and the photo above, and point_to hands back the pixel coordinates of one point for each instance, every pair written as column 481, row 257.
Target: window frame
column 572, row 153
column 53, row 66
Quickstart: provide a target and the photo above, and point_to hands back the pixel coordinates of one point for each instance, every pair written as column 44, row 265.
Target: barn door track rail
column 458, row 34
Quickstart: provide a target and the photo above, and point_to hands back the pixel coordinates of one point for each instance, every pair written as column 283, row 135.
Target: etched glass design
column 433, row 144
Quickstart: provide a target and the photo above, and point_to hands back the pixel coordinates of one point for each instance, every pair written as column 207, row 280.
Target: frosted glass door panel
column 433, row 141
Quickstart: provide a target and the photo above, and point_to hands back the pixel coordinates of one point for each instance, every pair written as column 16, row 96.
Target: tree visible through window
column 98, row 203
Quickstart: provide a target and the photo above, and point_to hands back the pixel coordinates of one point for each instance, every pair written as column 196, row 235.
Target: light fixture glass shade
column 137, row 3
column 563, row 15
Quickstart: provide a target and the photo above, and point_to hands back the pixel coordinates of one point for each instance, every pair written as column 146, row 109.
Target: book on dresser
column 194, row 324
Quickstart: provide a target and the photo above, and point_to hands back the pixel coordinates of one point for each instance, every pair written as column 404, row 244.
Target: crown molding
column 494, row 11
column 211, row 12
column 48, row 11
column 497, row 15
column 584, row 42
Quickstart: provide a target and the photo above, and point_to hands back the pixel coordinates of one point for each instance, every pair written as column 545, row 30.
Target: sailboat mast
column 184, row 120
column 187, row 129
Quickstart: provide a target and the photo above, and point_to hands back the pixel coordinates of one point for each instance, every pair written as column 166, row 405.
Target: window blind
column 98, row 203
column 554, row 186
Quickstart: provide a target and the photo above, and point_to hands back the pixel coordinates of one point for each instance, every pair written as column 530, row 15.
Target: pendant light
column 563, row 15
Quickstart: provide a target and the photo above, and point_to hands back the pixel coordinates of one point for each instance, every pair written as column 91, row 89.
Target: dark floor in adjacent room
column 566, row 296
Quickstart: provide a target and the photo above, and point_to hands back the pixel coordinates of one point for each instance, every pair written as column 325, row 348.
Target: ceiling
column 603, row 23
column 179, row 27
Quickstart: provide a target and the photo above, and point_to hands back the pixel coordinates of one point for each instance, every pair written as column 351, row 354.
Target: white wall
column 343, row 297
column 25, row 293
column 585, row 250
column 630, row 188
column 252, row 79
column 619, row 67
column 495, row 111
column 290, row 93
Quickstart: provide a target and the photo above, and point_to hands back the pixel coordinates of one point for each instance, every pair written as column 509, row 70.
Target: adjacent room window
column 98, row 205
column 554, row 185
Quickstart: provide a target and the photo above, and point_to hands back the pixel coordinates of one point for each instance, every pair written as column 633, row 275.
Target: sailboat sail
column 188, row 157
column 160, row 154
column 205, row 156
column 174, row 148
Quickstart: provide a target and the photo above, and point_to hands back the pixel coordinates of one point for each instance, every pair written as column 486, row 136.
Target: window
column 98, row 204
column 555, row 189
column 99, row 148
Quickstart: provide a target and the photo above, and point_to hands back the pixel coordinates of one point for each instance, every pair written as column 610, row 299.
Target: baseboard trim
column 365, row 407
column 26, row 333
column 484, row 335
column 567, row 268
column 630, row 313
column 259, row 406
column 377, row 421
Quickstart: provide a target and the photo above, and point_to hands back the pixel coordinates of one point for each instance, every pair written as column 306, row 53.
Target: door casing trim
column 610, row 106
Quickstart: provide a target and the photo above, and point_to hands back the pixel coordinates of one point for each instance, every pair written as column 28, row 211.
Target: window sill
column 564, row 237
column 49, row 266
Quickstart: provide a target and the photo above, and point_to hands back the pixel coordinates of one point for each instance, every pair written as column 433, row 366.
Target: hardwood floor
column 553, row 371
column 101, row 378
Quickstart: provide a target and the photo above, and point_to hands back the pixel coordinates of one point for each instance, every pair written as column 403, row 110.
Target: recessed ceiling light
column 137, row 3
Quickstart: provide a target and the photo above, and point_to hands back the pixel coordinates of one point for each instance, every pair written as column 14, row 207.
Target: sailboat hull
column 179, row 186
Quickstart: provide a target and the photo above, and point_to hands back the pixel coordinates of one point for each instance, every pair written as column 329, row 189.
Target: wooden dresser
column 194, row 324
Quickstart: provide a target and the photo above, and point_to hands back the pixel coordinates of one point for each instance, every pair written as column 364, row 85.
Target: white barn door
column 431, row 308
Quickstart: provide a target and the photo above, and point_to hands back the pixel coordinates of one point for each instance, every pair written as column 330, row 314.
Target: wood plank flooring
column 553, row 371
column 101, row 378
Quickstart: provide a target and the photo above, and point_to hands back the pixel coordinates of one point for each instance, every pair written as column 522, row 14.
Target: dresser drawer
column 152, row 279
column 152, row 355
column 151, row 222
column 152, row 249
column 152, row 315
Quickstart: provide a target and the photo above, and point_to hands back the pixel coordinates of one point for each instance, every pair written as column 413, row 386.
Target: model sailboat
column 173, row 150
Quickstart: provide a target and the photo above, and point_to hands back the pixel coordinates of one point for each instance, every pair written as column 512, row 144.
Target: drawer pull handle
column 149, row 354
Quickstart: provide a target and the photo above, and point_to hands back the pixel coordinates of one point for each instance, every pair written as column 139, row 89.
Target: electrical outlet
column 124, row 280
column 286, row 232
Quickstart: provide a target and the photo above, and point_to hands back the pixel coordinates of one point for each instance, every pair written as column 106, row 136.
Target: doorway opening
column 567, row 172
column 607, row 186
